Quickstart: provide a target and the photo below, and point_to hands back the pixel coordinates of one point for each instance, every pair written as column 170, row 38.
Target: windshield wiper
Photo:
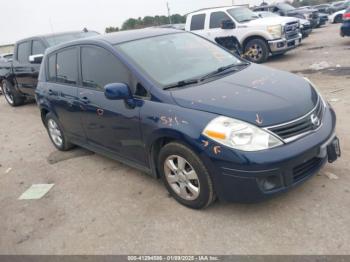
column 181, row 83
column 221, row 70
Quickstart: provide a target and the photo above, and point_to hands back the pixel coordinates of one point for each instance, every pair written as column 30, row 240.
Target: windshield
column 285, row 7
column 61, row 38
column 242, row 14
column 172, row 58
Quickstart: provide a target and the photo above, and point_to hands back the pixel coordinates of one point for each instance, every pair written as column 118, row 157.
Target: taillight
column 346, row 16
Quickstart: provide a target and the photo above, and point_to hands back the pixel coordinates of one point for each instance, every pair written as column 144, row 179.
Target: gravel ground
column 99, row 206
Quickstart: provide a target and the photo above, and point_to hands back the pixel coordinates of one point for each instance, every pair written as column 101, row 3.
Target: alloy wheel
column 255, row 52
column 7, row 93
column 182, row 177
column 55, row 132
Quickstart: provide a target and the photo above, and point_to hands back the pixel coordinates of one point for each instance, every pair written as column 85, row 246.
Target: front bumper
column 345, row 29
column 282, row 45
column 241, row 176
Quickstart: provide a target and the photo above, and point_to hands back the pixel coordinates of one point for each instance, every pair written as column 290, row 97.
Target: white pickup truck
column 258, row 37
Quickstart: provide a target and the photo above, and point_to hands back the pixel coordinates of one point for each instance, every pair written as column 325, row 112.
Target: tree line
column 147, row 21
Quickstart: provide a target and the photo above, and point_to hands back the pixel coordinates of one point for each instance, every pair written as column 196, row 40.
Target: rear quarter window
column 51, row 65
column 197, row 22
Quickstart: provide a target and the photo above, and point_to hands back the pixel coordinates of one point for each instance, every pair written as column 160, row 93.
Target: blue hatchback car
column 188, row 111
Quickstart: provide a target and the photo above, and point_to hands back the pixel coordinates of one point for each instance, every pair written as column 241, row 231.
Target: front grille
column 306, row 169
column 292, row 130
column 291, row 30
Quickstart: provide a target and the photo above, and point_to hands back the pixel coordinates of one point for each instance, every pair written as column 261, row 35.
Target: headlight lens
column 317, row 91
column 239, row 135
column 275, row 31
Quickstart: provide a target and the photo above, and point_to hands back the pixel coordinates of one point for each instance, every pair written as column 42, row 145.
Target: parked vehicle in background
column 258, row 37
column 18, row 78
column 345, row 27
column 336, row 17
column 7, row 57
column 206, row 122
column 341, row 5
column 284, row 9
column 323, row 8
column 323, row 17
column 305, row 27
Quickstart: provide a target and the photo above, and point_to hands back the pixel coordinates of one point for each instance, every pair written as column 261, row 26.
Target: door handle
column 99, row 112
column 85, row 100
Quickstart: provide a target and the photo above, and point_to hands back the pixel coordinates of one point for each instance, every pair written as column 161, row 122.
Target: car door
column 197, row 25
column 37, row 48
column 62, row 90
column 111, row 125
column 22, row 68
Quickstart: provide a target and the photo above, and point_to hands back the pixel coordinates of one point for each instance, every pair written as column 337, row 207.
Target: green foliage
column 147, row 21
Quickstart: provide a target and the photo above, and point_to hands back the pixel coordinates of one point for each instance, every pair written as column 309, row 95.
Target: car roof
column 119, row 37
column 53, row 34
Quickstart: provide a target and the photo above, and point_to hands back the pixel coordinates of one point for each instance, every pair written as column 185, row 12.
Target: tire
column 192, row 189
column 56, row 134
column 338, row 19
column 12, row 96
column 259, row 51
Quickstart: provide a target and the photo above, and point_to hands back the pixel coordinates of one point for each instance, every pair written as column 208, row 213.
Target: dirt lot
column 99, row 206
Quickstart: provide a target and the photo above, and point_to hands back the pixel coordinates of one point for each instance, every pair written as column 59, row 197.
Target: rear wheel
column 56, row 133
column 11, row 95
column 185, row 176
column 338, row 19
column 256, row 50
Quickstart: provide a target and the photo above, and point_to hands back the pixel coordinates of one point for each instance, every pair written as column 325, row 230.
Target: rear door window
column 23, row 52
column 216, row 19
column 67, row 66
column 99, row 67
column 197, row 22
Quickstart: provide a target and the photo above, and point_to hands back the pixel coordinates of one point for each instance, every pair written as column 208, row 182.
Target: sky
column 25, row 18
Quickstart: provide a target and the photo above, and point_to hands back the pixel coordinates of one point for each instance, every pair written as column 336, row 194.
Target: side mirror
column 117, row 91
column 36, row 59
column 227, row 24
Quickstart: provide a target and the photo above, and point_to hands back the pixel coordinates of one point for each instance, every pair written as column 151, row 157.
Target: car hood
column 256, row 94
column 273, row 20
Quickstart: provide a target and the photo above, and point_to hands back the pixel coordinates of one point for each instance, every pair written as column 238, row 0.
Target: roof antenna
column 85, row 30
column 53, row 33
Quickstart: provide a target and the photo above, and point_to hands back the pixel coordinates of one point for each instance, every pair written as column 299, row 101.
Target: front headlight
column 275, row 31
column 317, row 91
column 239, row 135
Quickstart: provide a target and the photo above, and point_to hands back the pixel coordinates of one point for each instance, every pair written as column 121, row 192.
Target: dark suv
column 182, row 108
column 284, row 9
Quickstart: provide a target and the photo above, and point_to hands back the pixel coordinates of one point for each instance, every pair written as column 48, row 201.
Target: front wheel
column 256, row 50
column 185, row 176
column 11, row 95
